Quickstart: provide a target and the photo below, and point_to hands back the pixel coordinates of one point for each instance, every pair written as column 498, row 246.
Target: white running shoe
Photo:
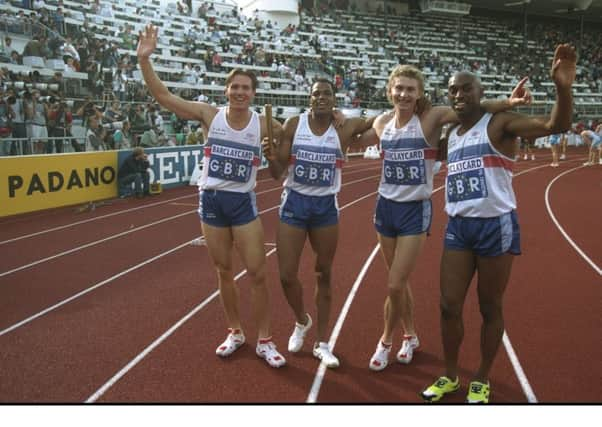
column 267, row 351
column 322, row 352
column 408, row 345
column 231, row 344
column 380, row 358
column 532, row 156
column 295, row 342
column 562, row 157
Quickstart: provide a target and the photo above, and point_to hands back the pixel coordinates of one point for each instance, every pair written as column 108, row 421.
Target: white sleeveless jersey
column 479, row 177
column 316, row 161
column 407, row 172
column 231, row 157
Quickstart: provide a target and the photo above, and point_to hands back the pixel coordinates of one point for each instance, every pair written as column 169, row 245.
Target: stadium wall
column 32, row 183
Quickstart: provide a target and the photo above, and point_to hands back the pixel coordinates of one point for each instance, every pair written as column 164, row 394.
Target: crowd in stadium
column 199, row 47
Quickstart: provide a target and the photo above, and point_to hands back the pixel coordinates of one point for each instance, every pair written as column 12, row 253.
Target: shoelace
column 441, row 382
column 476, row 388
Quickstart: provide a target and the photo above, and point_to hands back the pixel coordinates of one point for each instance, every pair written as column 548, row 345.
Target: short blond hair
column 408, row 71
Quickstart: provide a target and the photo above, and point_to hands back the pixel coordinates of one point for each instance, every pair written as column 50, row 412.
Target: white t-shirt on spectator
column 38, row 4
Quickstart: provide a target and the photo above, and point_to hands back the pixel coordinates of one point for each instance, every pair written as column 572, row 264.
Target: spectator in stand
column 122, row 138
column 95, row 135
column 113, row 113
column 216, row 61
column 59, row 126
column 35, row 120
column 134, row 169
column 6, row 50
column 87, row 111
column 195, row 136
column 59, row 21
column 38, row 5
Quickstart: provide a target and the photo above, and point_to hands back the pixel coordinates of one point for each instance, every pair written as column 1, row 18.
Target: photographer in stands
column 15, row 108
column 35, row 115
column 95, row 135
column 122, row 138
column 134, row 169
column 59, row 124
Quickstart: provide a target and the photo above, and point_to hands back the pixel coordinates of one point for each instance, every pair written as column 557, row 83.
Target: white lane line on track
column 103, row 389
column 135, row 267
column 97, row 218
column 561, row 229
column 90, row 289
column 73, row 224
column 94, row 243
column 518, row 369
column 124, row 233
column 321, row 372
column 104, row 282
column 319, row 377
column 97, row 394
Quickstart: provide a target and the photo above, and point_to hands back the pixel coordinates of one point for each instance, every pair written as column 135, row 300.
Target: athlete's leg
column 219, row 244
column 324, row 243
column 554, row 148
column 290, row 241
column 457, row 270
column 249, row 241
column 585, row 136
column 493, row 273
column 400, row 256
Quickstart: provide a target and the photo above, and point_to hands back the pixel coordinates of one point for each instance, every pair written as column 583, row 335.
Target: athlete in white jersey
column 310, row 152
column 482, row 234
column 231, row 156
column 479, row 177
column 409, row 139
column 227, row 202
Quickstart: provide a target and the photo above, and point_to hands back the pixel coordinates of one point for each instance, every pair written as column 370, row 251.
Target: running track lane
column 117, row 324
column 286, row 332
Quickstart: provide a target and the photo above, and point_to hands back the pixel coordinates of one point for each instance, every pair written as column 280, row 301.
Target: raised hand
column 520, row 94
column 564, row 65
column 147, row 41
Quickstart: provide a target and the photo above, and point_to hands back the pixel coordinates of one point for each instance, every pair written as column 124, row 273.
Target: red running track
column 115, row 305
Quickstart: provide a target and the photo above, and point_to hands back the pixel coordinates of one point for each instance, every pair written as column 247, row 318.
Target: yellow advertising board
column 32, row 183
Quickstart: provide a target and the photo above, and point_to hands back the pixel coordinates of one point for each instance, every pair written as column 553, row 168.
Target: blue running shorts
column 484, row 236
column 596, row 139
column 393, row 219
column 227, row 208
column 554, row 139
column 307, row 212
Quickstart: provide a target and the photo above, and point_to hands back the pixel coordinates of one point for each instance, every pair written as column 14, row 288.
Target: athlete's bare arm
column 507, row 125
column 187, row 110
